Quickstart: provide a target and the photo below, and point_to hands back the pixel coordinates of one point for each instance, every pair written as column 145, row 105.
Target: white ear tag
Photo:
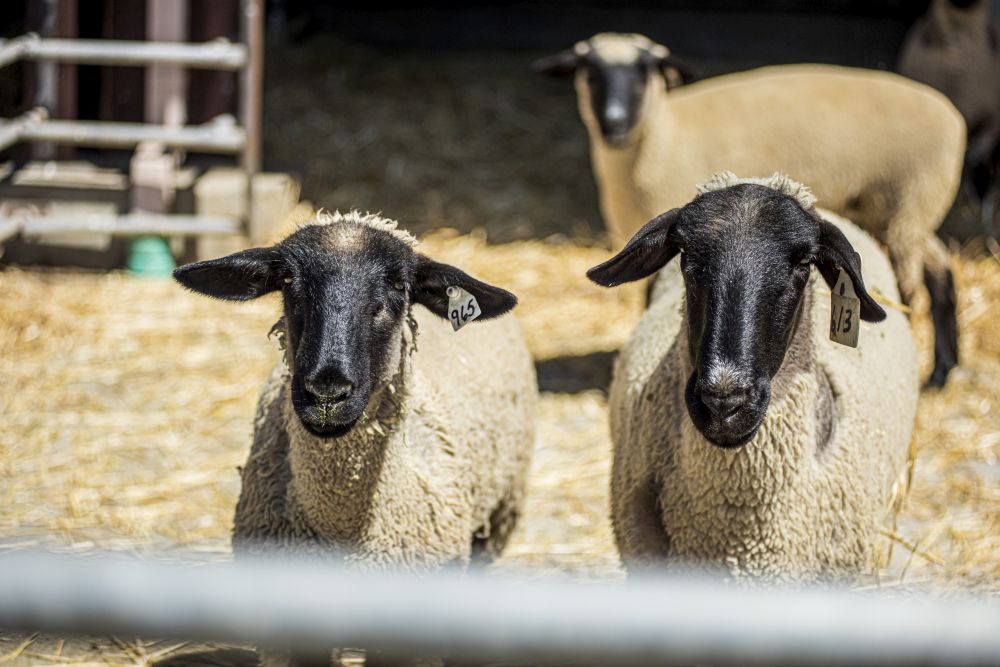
column 462, row 307
column 845, row 312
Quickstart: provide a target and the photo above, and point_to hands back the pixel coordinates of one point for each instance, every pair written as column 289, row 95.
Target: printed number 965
column 464, row 312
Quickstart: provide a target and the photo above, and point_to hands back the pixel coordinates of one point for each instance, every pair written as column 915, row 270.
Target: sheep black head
column 613, row 72
column 746, row 253
column 347, row 285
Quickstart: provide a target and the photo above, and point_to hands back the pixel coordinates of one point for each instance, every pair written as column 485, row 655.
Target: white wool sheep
column 803, row 497
column 427, row 466
column 383, row 439
column 879, row 149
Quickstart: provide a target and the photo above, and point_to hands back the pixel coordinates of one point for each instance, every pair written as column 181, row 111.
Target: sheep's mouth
column 327, row 431
column 730, row 440
column 617, row 138
column 325, row 419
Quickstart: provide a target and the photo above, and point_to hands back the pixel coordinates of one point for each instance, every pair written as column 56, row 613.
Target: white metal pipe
column 9, row 228
column 215, row 54
column 310, row 606
column 12, row 130
column 131, row 224
column 214, row 137
column 13, row 50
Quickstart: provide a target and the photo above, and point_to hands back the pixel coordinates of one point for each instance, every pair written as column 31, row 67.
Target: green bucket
column 150, row 256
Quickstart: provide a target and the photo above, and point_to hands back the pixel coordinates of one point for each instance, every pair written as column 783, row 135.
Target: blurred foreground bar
column 314, row 606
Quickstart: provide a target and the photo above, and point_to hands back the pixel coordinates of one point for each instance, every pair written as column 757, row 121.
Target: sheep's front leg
column 913, row 255
column 941, row 285
column 638, row 522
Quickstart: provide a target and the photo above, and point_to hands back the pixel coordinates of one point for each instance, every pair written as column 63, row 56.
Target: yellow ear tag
column 845, row 312
column 462, row 307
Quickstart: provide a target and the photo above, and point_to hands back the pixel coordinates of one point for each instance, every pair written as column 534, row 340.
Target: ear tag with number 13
column 845, row 310
column 462, row 307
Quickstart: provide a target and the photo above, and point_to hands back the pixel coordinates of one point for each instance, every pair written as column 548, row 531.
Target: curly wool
column 373, row 220
column 776, row 181
column 804, row 499
column 436, row 465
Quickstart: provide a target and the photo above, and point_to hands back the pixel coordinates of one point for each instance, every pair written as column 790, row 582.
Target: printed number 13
column 844, row 320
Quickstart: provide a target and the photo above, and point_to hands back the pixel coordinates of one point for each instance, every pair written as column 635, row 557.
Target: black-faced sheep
column 383, row 437
column 879, row 149
column 744, row 438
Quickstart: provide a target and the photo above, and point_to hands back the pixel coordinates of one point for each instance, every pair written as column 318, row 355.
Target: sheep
column 954, row 49
column 743, row 440
column 382, row 439
column 880, row 150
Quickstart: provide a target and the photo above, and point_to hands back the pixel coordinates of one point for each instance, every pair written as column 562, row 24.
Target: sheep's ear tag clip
column 845, row 310
column 462, row 307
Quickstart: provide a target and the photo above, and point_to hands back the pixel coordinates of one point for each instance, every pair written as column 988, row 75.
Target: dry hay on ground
column 437, row 139
column 127, row 406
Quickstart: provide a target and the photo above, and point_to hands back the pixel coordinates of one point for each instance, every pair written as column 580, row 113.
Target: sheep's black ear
column 563, row 63
column 432, row 280
column 241, row 276
column 677, row 72
column 836, row 252
column 645, row 254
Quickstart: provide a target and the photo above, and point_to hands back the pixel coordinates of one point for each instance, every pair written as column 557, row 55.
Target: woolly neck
column 783, row 438
column 335, row 480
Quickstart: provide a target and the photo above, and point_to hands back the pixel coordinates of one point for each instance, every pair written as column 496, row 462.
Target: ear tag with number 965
column 462, row 307
column 845, row 310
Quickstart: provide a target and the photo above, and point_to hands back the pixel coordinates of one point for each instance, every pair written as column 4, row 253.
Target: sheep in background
column 744, row 438
column 954, row 49
column 879, row 149
column 383, row 437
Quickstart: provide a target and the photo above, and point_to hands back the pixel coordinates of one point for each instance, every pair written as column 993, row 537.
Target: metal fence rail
column 216, row 54
column 652, row 621
column 217, row 136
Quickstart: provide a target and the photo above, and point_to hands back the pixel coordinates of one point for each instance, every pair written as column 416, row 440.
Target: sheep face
column 746, row 253
column 346, row 288
column 613, row 73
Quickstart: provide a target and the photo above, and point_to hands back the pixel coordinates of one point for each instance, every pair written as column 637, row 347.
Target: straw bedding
column 127, row 406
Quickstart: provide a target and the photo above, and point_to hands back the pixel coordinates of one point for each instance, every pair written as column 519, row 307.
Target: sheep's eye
column 287, row 281
column 398, row 285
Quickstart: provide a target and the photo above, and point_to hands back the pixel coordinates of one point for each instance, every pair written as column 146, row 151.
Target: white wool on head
column 617, row 48
column 776, row 181
column 373, row 220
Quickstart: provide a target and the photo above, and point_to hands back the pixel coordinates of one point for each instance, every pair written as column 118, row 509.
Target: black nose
column 329, row 386
column 724, row 405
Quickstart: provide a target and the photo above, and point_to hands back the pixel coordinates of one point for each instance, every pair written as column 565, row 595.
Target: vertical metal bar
column 66, row 99
column 166, row 84
column 251, row 80
column 47, row 76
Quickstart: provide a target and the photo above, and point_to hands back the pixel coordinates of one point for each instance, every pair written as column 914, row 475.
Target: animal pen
column 156, row 170
column 127, row 404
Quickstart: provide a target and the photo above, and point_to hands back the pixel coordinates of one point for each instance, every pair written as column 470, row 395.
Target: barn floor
column 127, row 403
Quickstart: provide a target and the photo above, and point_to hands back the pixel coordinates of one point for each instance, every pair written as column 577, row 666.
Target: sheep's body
column 438, row 465
column 955, row 51
column 879, row 149
column 803, row 499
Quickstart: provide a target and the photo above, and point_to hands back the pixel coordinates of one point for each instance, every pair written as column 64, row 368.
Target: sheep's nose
column 725, row 405
column 615, row 114
column 329, row 387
